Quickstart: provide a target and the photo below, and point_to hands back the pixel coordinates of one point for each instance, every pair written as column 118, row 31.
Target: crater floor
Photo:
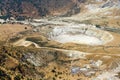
column 80, row 34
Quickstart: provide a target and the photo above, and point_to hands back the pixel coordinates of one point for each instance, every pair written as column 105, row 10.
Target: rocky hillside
column 38, row 8
column 83, row 44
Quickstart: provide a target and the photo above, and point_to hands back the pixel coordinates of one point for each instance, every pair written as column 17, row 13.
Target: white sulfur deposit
column 81, row 34
column 109, row 75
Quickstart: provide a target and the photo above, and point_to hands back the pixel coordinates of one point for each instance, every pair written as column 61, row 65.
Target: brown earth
column 10, row 30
